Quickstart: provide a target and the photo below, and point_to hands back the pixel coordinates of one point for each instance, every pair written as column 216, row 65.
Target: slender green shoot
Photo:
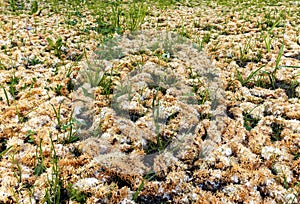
column 135, row 16
column 57, row 115
column 69, row 128
column 21, row 117
column 54, row 187
column 40, row 165
column 268, row 41
column 244, row 51
column 12, row 85
column 18, row 170
column 137, row 192
column 245, row 82
column 6, row 96
column 5, row 151
column 272, row 75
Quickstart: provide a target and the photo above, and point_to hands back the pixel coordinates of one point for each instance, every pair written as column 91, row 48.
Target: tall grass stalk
column 54, row 187
column 272, row 75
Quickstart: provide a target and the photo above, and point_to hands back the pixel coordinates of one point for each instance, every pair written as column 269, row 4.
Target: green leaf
column 5, row 151
column 59, row 43
column 136, row 194
column 50, row 42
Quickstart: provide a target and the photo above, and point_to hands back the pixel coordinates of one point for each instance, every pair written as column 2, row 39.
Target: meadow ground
column 149, row 101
